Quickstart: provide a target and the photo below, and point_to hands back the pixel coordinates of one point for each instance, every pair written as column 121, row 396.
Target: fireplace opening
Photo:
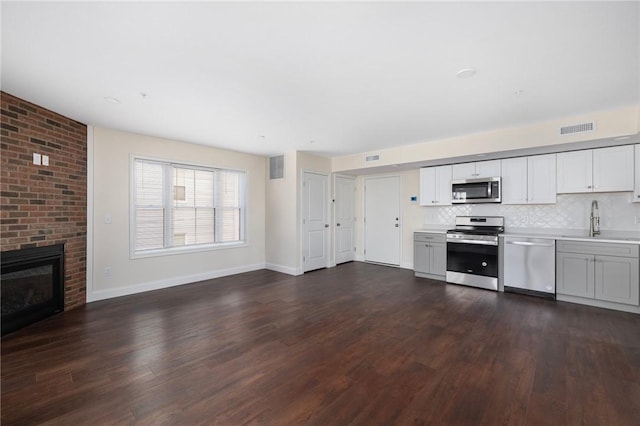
column 32, row 285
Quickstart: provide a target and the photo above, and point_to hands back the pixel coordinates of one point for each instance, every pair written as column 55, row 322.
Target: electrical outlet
column 107, row 271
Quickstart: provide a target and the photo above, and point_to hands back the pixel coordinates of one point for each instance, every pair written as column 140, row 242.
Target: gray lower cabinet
column 430, row 255
column 601, row 271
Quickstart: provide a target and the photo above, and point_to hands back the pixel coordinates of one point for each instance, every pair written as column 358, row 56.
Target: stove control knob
column 484, row 263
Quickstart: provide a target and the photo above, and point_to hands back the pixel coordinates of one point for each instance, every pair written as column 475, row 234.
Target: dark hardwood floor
column 356, row 344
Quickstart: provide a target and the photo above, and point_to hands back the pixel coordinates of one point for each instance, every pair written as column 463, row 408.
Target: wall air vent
column 276, row 167
column 372, row 158
column 578, row 128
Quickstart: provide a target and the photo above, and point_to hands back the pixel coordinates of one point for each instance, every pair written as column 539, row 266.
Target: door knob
column 397, row 218
column 337, row 224
column 326, row 225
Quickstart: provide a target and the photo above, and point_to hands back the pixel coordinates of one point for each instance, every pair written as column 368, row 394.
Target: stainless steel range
column 472, row 251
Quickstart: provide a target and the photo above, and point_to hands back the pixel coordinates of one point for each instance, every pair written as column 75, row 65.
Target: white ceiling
column 352, row 77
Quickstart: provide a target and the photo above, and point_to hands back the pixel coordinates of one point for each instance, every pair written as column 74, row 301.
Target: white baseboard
column 284, row 269
column 170, row 282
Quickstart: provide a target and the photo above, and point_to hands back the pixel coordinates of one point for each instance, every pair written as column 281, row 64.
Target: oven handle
column 479, row 242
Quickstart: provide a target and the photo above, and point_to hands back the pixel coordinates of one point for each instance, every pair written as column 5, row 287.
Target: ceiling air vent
column 276, row 167
column 372, row 158
column 577, row 128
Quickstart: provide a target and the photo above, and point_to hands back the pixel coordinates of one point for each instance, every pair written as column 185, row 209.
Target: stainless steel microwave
column 481, row 190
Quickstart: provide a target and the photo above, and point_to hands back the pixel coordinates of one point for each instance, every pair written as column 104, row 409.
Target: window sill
column 186, row 250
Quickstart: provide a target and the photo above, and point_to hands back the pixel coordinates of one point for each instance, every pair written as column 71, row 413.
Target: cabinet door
column 613, row 169
column 616, row 279
column 514, row 181
column 443, row 186
column 575, row 274
column 489, row 168
column 541, row 179
column 636, row 168
column 421, row 257
column 464, row 171
column 427, row 186
column 575, row 171
column 438, row 259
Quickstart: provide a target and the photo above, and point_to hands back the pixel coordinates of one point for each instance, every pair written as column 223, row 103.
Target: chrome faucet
column 594, row 220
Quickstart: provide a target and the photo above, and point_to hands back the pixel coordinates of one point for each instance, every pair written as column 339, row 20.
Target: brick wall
column 44, row 205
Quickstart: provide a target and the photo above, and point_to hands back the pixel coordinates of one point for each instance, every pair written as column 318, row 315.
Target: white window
column 179, row 206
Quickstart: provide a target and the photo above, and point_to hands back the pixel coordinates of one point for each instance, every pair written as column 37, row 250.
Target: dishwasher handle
column 528, row 243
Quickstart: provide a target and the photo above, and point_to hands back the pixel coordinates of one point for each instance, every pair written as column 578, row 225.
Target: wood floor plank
column 355, row 344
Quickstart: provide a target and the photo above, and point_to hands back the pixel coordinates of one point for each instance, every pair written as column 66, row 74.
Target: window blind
column 182, row 205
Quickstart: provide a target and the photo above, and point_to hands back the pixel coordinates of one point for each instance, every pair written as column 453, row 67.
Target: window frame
column 168, row 206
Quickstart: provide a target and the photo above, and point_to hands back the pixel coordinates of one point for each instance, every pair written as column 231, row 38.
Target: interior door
column 315, row 221
column 344, row 216
column 382, row 220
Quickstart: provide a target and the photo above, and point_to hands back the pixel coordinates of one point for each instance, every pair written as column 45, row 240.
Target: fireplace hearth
column 32, row 286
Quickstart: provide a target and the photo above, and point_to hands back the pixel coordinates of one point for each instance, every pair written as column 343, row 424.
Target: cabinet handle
column 588, row 186
column 426, row 245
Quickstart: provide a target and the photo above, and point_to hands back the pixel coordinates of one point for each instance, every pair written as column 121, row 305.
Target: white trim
column 89, row 239
column 284, row 269
column 172, row 282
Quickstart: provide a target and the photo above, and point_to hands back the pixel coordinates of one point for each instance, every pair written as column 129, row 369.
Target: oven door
column 473, row 264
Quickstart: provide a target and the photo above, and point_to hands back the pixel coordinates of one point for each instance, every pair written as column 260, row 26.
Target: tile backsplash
column 571, row 211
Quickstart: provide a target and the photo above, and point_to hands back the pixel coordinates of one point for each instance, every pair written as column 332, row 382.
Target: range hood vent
column 578, row 128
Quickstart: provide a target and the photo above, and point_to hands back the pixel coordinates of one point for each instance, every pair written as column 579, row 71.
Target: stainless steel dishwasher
column 530, row 266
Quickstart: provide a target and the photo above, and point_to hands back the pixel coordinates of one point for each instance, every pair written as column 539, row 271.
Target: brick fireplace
column 45, row 205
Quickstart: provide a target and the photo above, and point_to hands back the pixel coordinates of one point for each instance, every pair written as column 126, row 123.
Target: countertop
column 624, row 237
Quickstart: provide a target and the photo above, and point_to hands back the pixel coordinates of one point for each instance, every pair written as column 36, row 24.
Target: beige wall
column 111, row 158
column 283, row 249
column 281, row 218
column 613, row 123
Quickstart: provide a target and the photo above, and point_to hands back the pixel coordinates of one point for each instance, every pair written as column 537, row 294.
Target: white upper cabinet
column 514, row 180
column 529, row 180
column 613, row 169
column 575, row 171
column 636, row 167
column 480, row 169
column 435, row 186
column 596, row 170
column 541, row 179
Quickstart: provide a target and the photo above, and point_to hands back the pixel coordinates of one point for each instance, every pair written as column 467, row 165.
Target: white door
column 613, row 169
column 575, row 171
column 541, row 177
column 315, row 221
column 382, row 220
column 344, row 217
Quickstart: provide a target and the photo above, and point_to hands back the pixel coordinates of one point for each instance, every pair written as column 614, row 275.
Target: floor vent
column 276, row 167
column 372, row 158
column 577, row 128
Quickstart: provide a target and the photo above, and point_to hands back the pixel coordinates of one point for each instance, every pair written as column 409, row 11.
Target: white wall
column 111, row 165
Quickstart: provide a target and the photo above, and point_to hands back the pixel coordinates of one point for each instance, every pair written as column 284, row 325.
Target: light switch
column 45, row 160
column 37, row 159
column 107, row 218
